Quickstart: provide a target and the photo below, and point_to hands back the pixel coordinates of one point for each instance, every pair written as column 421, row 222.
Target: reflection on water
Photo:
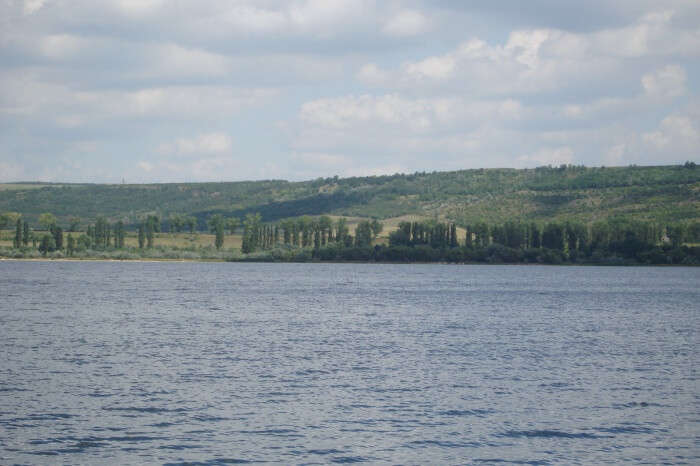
column 316, row 363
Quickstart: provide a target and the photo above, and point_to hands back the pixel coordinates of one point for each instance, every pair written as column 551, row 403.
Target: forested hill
column 660, row 193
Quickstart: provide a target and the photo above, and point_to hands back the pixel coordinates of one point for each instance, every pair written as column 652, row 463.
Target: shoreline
column 156, row 260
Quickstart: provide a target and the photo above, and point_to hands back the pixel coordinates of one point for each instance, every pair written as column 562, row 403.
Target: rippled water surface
column 215, row 363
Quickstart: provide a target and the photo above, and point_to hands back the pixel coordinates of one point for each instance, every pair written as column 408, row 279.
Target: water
column 215, row 363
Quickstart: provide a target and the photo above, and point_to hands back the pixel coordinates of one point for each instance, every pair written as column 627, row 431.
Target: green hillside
column 659, row 193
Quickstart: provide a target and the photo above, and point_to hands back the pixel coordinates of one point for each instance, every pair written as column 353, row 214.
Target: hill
column 658, row 193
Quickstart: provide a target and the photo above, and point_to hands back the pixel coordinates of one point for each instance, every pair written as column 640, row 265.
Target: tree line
column 422, row 241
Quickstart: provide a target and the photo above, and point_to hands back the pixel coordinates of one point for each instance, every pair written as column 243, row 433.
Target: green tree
column 119, row 234
column 363, row 234
column 47, row 244
column 70, row 246
column 191, row 223
column 251, row 233
column 57, row 233
column 152, row 226
column 46, row 220
column 216, row 226
column 83, row 242
column 341, row 230
column 18, row 234
column 553, row 236
column 142, row 236
column 326, row 225
column 176, row 222
column 676, row 233
column 26, row 234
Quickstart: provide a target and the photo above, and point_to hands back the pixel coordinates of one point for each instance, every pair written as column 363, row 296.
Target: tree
column 676, row 233
column 317, row 237
column 304, row 225
column 142, row 236
column 341, row 230
column 176, row 222
column 26, row 234
column 219, row 241
column 47, row 244
column 57, row 233
column 152, row 226
column 363, row 234
column 326, row 225
column 70, row 247
column 553, row 237
column 191, row 223
column 251, row 233
column 216, row 226
column 119, row 234
column 18, row 234
column 6, row 220
column 83, row 242
column 453, row 236
column 376, row 227
column 46, row 220
column 101, row 233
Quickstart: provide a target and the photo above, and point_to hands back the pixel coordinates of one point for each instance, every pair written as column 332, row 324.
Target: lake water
column 216, row 363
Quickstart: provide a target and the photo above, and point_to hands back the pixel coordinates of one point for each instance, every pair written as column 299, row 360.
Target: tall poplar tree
column 25, row 234
column 142, row 236
column 18, row 234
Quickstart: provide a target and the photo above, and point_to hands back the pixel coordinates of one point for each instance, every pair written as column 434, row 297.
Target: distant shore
column 316, row 261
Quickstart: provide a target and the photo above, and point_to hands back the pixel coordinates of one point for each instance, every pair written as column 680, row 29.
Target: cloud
column 677, row 134
column 21, row 94
column 548, row 60
column 403, row 113
column 370, row 73
column 32, row 6
column 668, row 81
column 406, row 23
column 202, row 144
column 90, row 90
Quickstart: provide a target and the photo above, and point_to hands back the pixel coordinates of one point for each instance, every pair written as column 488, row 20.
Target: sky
column 140, row 91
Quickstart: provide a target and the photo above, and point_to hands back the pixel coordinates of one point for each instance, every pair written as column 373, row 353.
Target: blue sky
column 210, row 90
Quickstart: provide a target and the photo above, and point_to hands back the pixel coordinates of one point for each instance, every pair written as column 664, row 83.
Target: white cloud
column 202, row 144
column 173, row 60
column 405, row 114
column 138, row 8
column 61, row 46
column 549, row 60
column 32, row 6
column 677, row 134
column 372, row 74
column 22, row 94
column 344, row 86
column 668, row 81
column 433, row 67
column 406, row 23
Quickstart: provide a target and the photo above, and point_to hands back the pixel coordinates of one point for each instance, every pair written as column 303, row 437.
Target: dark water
column 304, row 363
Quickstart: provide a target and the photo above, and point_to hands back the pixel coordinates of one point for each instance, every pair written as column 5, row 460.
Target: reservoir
column 222, row 363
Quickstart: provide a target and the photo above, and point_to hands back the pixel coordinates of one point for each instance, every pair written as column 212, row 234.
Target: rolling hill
column 658, row 193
